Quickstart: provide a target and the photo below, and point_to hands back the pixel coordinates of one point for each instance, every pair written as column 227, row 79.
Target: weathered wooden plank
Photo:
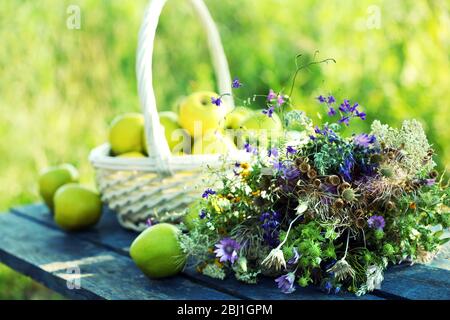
column 52, row 257
column 111, row 235
column 418, row 282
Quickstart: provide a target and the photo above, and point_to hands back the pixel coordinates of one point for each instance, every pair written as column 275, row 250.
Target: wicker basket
column 162, row 185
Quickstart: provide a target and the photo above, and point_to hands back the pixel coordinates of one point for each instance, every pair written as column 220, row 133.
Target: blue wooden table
column 95, row 264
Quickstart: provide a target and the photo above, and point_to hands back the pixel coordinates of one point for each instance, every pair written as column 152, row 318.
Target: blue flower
column 202, row 214
column 331, row 100
column 217, row 101
column 361, row 115
column 364, row 140
column 321, row 99
column 273, row 152
column 249, row 148
column 237, row 165
column 345, row 106
column 236, row 83
column 270, row 223
column 278, row 165
column 269, row 111
column 286, row 282
column 376, row 222
column 345, row 120
column 207, row 193
column 290, row 150
column 312, row 137
column 346, row 168
column 227, row 250
column 328, row 286
column 295, row 257
column 331, row 112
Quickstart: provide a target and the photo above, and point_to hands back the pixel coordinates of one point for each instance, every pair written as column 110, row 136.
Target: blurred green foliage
column 59, row 88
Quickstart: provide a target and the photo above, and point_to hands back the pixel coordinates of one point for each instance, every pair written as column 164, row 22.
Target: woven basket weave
column 162, row 185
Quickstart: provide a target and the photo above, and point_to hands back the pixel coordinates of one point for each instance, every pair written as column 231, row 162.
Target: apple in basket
column 235, row 117
column 213, row 142
column 258, row 127
column 126, row 133
column 198, row 115
column 76, row 207
column 157, row 251
column 51, row 179
column 178, row 138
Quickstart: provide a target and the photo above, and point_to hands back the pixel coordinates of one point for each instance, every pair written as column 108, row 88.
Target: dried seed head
column 298, row 162
column 304, row 167
column 359, row 213
column 317, row 183
column 333, row 180
column 430, row 152
column 348, row 195
column 382, row 145
column 434, row 174
column 339, row 204
column 387, row 172
column 397, row 192
column 376, row 158
column 391, row 155
column 312, row 173
column 390, row 206
column 360, row 222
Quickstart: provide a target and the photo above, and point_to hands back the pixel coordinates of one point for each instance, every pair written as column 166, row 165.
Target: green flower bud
column 379, row 234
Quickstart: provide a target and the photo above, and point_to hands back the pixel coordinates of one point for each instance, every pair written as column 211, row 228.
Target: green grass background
column 59, row 88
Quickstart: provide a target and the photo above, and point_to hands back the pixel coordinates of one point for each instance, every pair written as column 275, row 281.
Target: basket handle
column 154, row 131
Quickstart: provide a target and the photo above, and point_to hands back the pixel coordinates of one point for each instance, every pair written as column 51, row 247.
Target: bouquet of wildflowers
column 316, row 207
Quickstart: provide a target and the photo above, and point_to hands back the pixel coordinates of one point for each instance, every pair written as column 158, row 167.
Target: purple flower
column 202, row 214
column 317, row 130
column 331, row 111
column 328, row 286
column 249, row 148
column 272, row 95
column 429, row 182
column 364, row 140
column 345, row 120
column 280, row 100
column 237, row 165
column 278, row 165
column 273, row 152
column 207, row 193
column 270, row 223
column 269, row 111
column 286, row 282
column 361, row 115
column 217, row 101
column 290, row 150
column 345, row 106
column 227, row 250
column 312, row 137
column 290, row 173
column 346, row 168
column 376, row 222
column 236, row 83
column 321, row 99
column 353, row 108
column 295, row 257
column 149, row 222
column 331, row 100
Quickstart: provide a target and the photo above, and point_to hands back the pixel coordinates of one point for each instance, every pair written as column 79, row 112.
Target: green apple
column 213, row 142
column 198, row 115
column 178, row 138
column 132, row 154
column 52, row 178
column 234, row 119
column 193, row 214
column 76, row 207
column 126, row 133
column 260, row 128
column 157, row 251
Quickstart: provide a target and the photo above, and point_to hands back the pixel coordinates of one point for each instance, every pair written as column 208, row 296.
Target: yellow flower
column 256, row 193
column 245, row 173
column 245, row 166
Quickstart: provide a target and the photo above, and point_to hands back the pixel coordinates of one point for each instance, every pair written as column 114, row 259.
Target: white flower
column 342, row 270
column 301, row 208
column 275, row 259
column 374, row 277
